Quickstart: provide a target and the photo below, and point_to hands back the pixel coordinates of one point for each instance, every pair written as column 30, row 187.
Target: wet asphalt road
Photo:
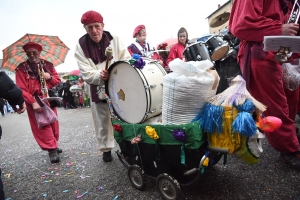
column 28, row 174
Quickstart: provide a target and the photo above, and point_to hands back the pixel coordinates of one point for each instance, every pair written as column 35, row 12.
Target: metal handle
column 192, row 171
column 150, row 86
column 150, row 112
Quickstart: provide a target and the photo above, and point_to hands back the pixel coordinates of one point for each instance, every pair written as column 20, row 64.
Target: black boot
column 59, row 150
column 107, row 156
column 54, row 158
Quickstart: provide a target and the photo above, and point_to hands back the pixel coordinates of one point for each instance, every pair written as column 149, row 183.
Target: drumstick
column 108, row 53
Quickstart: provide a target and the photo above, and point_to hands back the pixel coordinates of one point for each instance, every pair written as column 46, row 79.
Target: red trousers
column 47, row 136
column 267, row 87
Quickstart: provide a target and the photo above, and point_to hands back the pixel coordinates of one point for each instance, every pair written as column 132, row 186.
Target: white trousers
column 103, row 126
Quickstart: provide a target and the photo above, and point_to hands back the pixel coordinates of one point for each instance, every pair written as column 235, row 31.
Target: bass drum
column 136, row 94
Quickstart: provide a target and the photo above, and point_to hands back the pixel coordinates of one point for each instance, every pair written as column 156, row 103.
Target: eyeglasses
column 29, row 53
column 182, row 36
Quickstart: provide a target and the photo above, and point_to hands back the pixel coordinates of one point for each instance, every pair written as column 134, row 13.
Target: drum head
column 126, row 89
column 220, row 52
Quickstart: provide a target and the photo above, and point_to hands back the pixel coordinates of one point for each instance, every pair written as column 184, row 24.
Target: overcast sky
column 162, row 19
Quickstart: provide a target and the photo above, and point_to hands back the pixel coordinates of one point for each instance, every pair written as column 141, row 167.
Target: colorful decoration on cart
column 137, row 61
column 180, row 135
column 231, row 117
column 136, row 139
column 268, row 124
column 151, row 132
column 117, row 127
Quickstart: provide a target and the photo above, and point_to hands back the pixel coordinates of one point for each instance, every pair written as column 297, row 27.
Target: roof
column 219, row 8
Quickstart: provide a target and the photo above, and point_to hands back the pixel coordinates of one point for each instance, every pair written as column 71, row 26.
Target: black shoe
column 54, row 158
column 292, row 159
column 107, row 156
column 59, row 150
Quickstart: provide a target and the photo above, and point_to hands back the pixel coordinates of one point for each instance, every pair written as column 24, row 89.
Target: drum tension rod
column 150, row 86
column 150, row 112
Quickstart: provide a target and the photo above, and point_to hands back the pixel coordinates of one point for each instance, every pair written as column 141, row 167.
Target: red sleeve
column 23, row 83
column 248, row 21
column 172, row 54
column 55, row 77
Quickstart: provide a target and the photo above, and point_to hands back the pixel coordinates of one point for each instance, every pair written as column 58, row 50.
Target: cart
column 172, row 163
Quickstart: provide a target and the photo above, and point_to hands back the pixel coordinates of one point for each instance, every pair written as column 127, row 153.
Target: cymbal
column 219, row 20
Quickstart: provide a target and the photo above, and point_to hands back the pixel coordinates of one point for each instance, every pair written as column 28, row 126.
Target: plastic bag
column 46, row 117
column 291, row 76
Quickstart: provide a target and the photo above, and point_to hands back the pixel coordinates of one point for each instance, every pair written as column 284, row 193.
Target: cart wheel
column 136, row 177
column 168, row 187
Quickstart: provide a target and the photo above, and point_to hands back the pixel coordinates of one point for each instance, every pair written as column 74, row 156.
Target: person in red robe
column 28, row 79
column 250, row 21
column 176, row 50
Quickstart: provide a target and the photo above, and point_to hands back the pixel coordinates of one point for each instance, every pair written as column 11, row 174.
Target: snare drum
column 196, row 52
column 136, row 94
column 217, row 47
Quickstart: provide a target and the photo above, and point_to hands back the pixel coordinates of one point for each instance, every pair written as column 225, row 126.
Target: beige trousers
column 103, row 126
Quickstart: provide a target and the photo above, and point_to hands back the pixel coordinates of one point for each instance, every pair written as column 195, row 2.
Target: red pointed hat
column 91, row 17
column 33, row 45
column 137, row 29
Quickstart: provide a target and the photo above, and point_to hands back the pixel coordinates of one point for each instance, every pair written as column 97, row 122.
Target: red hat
column 91, row 17
column 33, row 45
column 137, row 30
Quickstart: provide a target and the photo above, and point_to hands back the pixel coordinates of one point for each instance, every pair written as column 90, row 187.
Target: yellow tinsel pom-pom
column 151, row 132
column 205, row 162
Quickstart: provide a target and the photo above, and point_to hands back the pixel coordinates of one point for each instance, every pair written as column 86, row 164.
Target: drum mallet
column 108, row 54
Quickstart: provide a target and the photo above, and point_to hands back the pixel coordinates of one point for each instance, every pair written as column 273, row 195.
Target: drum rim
column 147, row 96
column 193, row 44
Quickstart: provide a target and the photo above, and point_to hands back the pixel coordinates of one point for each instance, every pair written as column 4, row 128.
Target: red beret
column 91, row 17
column 137, row 29
column 33, row 45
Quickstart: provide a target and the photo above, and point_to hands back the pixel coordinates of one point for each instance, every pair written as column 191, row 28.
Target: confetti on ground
column 83, row 153
column 44, row 195
column 65, row 191
column 82, row 195
column 75, row 192
column 15, row 191
column 100, row 188
column 8, row 199
column 116, row 197
column 48, row 181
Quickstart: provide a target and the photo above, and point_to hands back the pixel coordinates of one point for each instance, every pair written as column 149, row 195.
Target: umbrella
column 170, row 41
column 75, row 88
column 75, row 72
column 65, row 76
column 54, row 50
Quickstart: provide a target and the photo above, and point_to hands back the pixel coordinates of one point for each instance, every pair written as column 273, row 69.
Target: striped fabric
column 54, row 50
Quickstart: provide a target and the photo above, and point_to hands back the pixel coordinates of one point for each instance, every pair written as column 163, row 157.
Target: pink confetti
column 15, row 191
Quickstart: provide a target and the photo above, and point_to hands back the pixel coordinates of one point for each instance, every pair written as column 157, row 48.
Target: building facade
column 226, row 8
